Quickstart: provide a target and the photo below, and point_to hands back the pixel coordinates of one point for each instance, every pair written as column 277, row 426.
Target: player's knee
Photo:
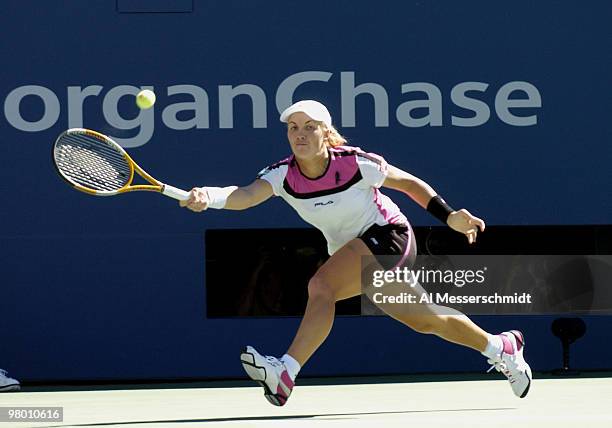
column 320, row 288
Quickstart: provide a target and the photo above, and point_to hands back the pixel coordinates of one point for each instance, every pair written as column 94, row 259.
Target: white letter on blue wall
column 503, row 103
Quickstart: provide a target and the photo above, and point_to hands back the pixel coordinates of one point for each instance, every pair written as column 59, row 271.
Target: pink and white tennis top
column 343, row 202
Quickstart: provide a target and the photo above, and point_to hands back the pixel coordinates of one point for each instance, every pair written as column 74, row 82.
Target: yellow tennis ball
column 145, row 99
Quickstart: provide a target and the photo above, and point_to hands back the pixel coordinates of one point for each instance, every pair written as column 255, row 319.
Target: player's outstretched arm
column 229, row 198
column 423, row 194
column 418, row 190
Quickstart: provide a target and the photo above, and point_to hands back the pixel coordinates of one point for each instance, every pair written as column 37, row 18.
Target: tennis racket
column 95, row 164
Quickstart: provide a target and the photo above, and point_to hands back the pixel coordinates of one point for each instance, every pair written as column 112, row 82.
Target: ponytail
column 334, row 139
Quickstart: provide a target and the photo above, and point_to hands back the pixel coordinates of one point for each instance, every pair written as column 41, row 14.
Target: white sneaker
column 270, row 373
column 8, row 383
column 512, row 364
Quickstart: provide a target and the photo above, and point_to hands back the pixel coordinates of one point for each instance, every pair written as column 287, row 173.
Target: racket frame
column 154, row 186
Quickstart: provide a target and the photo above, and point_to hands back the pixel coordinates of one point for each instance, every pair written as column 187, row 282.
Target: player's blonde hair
column 333, row 139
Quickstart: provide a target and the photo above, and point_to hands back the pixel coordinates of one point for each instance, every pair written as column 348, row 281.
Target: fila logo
column 322, row 204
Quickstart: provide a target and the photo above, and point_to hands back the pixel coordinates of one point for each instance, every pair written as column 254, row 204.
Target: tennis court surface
column 570, row 402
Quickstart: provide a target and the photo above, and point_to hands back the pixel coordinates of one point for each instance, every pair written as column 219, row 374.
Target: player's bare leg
column 337, row 279
column 504, row 351
column 340, row 278
column 442, row 321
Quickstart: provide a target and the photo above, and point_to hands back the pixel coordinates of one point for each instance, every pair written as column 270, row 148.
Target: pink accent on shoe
column 286, row 379
column 520, row 341
column 280, row 397
column 508, row 348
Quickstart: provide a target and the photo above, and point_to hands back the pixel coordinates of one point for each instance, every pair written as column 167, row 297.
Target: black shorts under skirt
column 396, row 242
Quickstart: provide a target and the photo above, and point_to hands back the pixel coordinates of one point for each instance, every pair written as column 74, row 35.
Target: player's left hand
column 464, row 222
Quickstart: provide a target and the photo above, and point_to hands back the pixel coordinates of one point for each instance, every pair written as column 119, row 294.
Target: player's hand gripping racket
column 93, row 163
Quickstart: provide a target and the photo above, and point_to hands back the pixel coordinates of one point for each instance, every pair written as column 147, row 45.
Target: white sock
column 494, row 348
column 293, row 367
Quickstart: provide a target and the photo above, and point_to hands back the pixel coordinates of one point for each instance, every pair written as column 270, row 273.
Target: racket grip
column 175, row 193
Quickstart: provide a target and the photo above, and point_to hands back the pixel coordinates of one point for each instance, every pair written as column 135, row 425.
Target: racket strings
column 92, row 163
column 86, row 176
column 96, row 180
column 87, row 157
column 96, row 146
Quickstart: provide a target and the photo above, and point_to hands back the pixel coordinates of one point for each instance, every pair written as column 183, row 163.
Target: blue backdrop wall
column 502, row 108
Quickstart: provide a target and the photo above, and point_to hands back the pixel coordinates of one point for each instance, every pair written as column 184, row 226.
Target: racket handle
column 175, row 193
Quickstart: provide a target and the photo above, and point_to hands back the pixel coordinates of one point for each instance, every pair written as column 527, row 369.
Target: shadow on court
column 335, row 416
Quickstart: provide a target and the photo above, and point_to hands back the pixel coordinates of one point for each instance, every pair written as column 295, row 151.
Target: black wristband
column 439, row 209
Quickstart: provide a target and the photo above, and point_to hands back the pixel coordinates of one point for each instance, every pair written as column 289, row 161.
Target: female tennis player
column 336, row 189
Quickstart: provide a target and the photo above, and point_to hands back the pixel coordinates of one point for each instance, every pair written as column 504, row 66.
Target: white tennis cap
column 314, row 109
